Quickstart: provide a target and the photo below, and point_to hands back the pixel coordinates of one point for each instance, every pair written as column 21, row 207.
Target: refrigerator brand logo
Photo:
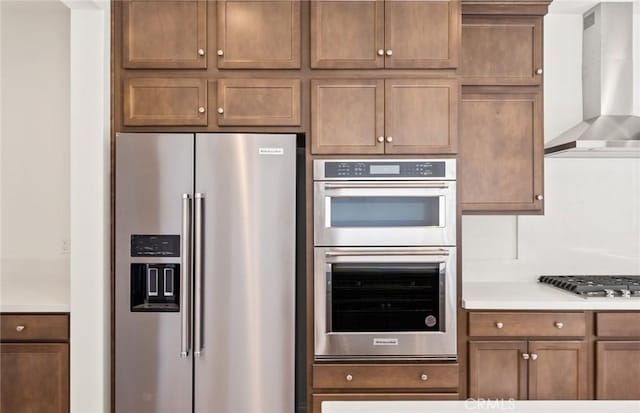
column 271, row 151
column 385, row 341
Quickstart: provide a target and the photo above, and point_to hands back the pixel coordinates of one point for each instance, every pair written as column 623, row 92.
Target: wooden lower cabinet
column 617, row 370
column 534, row 370
column 318, row 398
column 34, row 363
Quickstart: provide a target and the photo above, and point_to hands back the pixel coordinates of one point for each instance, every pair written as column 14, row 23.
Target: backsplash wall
column 592, row 206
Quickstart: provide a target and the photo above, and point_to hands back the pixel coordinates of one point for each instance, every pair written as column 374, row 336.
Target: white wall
column 35, row 140
column 592, row 206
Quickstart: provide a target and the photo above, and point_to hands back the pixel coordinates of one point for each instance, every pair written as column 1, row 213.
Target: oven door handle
column 386, row 185
column 420, row 251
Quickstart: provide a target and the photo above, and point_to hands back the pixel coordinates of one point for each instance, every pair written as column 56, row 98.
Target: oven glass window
column 380, row 211
column 380, row 298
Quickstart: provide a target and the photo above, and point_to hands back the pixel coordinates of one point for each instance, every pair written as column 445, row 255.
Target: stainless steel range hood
column 609, row 129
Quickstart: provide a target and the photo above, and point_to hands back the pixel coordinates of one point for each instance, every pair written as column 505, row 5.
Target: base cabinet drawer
column 376, row 376
column 318, row 399
column 30, row 327
column 618, row 324
column 497, row 324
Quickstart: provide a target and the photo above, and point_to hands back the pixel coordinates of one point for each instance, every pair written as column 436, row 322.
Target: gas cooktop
column 626, row 286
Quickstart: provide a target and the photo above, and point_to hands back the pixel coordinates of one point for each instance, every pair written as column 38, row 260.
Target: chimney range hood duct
column 609, row 130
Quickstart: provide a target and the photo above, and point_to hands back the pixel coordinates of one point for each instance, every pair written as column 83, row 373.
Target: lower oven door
column 385, row 303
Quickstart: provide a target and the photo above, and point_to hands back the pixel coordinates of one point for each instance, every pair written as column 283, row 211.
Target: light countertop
column 33, row 294
column 535, row 296
column 482, row 405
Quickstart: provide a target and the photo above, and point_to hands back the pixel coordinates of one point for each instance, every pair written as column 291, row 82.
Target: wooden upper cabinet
column 165, row 102
column 347, row 116
column 558, row 370
column 497, row 370
column 258, row 102
column 502, row 50
column 365, row 34
column 501, row 151
column 164, row 34
column 258, row 34
column 422, row 33
column 617, row 370
column 421, row 115
column 347, row 34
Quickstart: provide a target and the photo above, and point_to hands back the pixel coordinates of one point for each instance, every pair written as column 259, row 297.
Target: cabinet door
column 35, row 377
column 558, row 370
column 497, row 370
column 165, row 102
column 422, row 33
column 347, row 34
column 617, row 370
column 501, row 50
column 258, row 102
column 501, row 151
column 164, row 34
column 421, row 115
column 258, row 34
column 347, row 116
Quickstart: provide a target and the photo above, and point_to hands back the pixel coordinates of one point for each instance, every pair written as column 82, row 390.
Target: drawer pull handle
column 534, row 356
column 201, row 109
column 558, row 324
column 525, row 356
column 349, row 377
column 424, row 377
column 499, row 325
column 380, row 52
column 19, row 329
column 200, row 52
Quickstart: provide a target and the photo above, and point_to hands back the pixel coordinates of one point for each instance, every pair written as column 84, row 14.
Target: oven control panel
column 384, row 169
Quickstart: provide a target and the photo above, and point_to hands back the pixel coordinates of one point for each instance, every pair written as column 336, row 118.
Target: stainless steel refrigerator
column 205, row 273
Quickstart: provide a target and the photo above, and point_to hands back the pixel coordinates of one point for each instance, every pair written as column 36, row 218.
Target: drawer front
column 618, row 324
column 258, row 102
column 494, row 324
column 165, row 102
column 26, row 327
column 375, row 376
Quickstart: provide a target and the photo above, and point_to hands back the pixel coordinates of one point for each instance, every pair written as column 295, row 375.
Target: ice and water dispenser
column 155, row 286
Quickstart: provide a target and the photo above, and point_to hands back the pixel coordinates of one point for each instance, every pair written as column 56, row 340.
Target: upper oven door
column 384, row 213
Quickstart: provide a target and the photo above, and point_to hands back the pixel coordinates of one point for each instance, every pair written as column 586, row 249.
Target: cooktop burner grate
column 596, row 285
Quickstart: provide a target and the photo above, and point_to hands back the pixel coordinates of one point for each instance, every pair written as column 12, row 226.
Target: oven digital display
column 384, row 169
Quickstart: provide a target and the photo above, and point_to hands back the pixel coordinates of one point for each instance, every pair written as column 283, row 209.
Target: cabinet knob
column 19, row 328
column 539, row 197
column 220, row 52
column 539, row 71
column 201, row 109
column 389, row 52
column 499, row 325
column 525, row 356
column 534, row 356
column 201, row 52
column 424, row 377
column 220, row 111
column 380, row 52
column 380, row 139
column 348, row 377
column 558, row 324
column 389, row 139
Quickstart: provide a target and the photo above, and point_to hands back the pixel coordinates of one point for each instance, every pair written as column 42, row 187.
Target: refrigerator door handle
column 198, row 257
column 185, row 282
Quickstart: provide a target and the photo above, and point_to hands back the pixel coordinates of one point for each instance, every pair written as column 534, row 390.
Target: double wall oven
column 385, row 259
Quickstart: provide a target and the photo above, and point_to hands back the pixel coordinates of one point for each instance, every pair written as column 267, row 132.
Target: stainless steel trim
column 438, row 345
column 336, row 252
column 427, row 184
column 449, row 170
column 185, row 284
column 197, row 266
